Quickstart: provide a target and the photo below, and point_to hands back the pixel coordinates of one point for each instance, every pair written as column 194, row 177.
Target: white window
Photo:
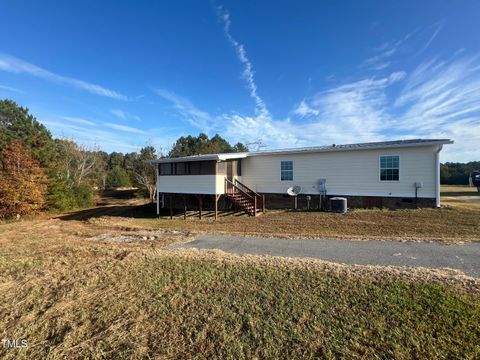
column 390, row 168
column 286, row 170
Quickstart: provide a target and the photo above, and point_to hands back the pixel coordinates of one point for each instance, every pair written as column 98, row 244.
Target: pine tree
column 16, row 123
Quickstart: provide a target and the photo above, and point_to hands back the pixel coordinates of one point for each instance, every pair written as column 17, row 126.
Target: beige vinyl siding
column 187, row 184
column 347, row 172
column 220, row 184
column 192, row 184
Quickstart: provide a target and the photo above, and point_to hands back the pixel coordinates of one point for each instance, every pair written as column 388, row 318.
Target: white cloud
column 434, row 35
column 438, row 99
column 119, row 114
column 192, row 114
column 79, row 121
column 397, row 76
column 304, row 110
column 91, row 137
column 248, row 73
column 124, row 115
column 11, row 89
column 349, row 113
column 94, row 136
column 382, row 59
column 124, row 128
column 13, row 65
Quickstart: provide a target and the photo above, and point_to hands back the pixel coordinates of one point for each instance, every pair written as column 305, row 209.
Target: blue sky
column 119, row 75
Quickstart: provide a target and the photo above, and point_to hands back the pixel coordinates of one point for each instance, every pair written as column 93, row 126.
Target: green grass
column 95, row 304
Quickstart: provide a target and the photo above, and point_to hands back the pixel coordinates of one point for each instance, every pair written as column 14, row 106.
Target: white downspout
column 437, row 176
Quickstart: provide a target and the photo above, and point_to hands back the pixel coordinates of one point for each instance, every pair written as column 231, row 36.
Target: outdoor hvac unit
column 338, row 205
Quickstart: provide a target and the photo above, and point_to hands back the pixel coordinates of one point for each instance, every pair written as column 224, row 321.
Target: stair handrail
column 238, row 188
column 247, row 188
column 257, row 195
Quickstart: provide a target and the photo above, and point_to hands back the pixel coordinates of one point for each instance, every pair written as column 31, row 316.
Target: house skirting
column 284, row 201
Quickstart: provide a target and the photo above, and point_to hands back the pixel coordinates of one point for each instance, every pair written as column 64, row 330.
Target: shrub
column 118, row 177
column 83, row 195
column 62, row 197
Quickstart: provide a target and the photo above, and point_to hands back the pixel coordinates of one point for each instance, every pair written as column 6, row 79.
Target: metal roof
column 204, row 157
column 313, row 149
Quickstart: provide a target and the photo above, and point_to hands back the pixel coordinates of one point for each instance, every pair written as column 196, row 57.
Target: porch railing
column 260, row 198
column 254, row 199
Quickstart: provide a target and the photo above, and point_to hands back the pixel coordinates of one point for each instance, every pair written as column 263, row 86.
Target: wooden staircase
column 244, row 198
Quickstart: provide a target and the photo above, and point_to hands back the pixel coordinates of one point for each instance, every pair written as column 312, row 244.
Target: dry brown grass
column 74, row 297
column 459, row 196
column 458, row 220
column 446, row 224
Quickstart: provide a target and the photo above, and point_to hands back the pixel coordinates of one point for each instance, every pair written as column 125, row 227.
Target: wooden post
column 184, row 207
column 172, row 197
column 255, row 206
column 263, row 204
column 216, row 206
column 200, row 198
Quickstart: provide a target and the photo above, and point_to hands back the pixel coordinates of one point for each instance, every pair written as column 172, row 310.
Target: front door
column 230, row 170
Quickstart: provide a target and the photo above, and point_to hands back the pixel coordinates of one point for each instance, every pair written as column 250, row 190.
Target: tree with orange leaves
column 23, row 184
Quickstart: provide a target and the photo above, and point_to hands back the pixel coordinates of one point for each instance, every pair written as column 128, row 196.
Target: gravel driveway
column 464, row 257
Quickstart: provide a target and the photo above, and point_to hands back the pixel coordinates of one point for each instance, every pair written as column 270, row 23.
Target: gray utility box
column 338, row 204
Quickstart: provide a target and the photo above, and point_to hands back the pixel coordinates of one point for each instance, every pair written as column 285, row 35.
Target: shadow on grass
column 115, row 203
column 147, row 211
column 461, row 193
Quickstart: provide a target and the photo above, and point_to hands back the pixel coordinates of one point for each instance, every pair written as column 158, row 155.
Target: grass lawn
column 461, row 197
column 71, row 297
column 448, row 224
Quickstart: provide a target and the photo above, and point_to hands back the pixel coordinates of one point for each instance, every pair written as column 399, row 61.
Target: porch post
column 172, row 197
column 184, row 207
column 158, row 193
column 200, row 198
column 216, row 206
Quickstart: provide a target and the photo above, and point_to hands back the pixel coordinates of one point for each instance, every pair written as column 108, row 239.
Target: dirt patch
column 133, row 235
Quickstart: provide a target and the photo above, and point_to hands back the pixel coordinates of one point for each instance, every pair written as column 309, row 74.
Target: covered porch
column 205, row 183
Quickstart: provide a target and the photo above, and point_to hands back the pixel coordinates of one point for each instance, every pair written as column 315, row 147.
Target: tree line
column 38, row 171
column 457, row 173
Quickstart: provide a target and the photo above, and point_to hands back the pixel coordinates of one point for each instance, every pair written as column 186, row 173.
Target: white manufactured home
column 389, row 174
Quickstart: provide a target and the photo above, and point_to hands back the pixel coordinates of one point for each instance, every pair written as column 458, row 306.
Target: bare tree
column 145, row 171
column 78, row 161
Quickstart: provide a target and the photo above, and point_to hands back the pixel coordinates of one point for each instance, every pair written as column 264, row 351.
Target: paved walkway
column 373, row 252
